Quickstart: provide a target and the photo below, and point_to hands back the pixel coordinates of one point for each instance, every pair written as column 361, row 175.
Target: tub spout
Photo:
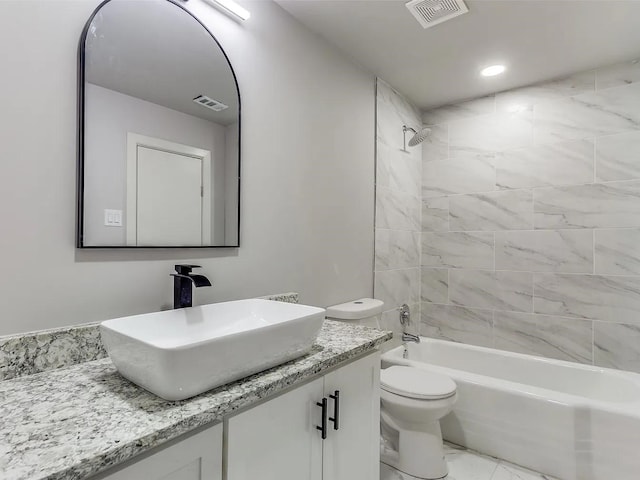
column 409, row 337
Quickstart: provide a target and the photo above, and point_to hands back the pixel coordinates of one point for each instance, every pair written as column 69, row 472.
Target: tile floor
column 469, row 465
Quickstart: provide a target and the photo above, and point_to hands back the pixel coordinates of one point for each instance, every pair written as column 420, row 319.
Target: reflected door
column 169, row 198
column 168, row 194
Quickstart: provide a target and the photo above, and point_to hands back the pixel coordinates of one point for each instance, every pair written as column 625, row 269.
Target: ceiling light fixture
column 493, row 70
column 232, row 8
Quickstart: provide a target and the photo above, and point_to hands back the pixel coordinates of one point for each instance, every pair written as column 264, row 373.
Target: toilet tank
column 364, row 311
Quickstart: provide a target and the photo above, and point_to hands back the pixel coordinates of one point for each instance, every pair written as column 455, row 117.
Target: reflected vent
column 210, row 103
column 433, row 12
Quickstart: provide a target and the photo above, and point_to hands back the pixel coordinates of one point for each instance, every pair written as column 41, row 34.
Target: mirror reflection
column 159, row 131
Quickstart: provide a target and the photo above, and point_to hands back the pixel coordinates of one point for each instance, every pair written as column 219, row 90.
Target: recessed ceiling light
column 492, row 70
column 517, row 108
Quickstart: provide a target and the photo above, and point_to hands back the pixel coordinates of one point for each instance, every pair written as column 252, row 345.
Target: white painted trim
column 206, row 199
column 131, row 203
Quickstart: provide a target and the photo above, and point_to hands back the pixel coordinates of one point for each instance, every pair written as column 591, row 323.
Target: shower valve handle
column 405, row 314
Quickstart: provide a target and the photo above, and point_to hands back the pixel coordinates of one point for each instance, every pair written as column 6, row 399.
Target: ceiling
column 536, row 39
column 155, row 51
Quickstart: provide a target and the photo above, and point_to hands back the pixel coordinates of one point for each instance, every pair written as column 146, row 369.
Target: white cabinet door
column 197, row 457
column 278, row 440
column 352, row 452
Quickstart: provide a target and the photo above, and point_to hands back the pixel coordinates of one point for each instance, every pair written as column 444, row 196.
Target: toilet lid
column 414, row 382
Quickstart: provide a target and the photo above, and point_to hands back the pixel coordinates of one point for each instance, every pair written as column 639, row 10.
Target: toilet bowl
column 412, row 403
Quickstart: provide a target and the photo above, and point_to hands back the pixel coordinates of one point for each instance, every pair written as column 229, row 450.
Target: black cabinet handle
column 323, row 428
column 336, row 409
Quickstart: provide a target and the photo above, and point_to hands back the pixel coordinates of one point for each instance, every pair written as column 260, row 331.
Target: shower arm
column 406, row 129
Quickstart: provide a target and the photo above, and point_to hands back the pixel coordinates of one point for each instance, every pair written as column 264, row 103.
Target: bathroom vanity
column 281, row 438
column 86, row 421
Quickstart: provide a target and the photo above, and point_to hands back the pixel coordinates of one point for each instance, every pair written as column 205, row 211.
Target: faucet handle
column 185, row 269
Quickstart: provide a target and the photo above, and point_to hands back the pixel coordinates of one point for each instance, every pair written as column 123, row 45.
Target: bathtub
column 571, row 421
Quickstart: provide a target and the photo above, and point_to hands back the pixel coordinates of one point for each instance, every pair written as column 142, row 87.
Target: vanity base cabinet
column 197, row 457
column 279, row 439
column 353, row 451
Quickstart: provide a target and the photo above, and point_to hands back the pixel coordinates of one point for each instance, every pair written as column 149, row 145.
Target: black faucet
column 183, row 280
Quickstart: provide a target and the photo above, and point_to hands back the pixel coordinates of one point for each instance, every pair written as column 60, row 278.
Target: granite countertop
column 76, row 421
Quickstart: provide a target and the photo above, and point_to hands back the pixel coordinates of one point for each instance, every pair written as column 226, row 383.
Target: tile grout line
column 493, row 328
column 494, row 251
column 536, row 314
column 593, row 342
column 448, row 141
column 594, row 250
column 520, row 230
column 595, row 162
column 531, row 187
column 495, row 469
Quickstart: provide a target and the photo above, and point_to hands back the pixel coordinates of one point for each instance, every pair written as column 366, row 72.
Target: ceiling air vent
column 433, row 12
column 214, row 105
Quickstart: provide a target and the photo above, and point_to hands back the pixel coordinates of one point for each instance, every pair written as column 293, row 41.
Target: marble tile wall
column 398, row 229
column 531, row 220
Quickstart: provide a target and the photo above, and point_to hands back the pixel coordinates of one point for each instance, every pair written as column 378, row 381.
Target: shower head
column 418, row 137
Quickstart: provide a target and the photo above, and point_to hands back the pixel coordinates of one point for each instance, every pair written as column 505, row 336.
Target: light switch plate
column 113, row 218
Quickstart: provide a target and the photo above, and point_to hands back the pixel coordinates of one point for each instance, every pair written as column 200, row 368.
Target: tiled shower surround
column 531, row 220
column 398, row 204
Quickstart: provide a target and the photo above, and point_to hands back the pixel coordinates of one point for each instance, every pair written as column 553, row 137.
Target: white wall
column 307, row 184
column 110, row 115
column 231, row 186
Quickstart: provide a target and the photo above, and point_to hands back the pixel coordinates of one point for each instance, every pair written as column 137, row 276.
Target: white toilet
column 412, row 403
column 364, row 311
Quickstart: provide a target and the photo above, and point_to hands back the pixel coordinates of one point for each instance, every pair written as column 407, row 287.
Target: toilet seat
column 416, row 383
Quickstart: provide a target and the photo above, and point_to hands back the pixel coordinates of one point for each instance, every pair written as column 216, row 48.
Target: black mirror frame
column 80, row 139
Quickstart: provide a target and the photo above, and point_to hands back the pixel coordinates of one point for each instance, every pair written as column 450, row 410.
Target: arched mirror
column 159, row 130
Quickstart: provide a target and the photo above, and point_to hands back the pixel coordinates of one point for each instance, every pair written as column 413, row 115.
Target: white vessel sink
column 177, row 354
